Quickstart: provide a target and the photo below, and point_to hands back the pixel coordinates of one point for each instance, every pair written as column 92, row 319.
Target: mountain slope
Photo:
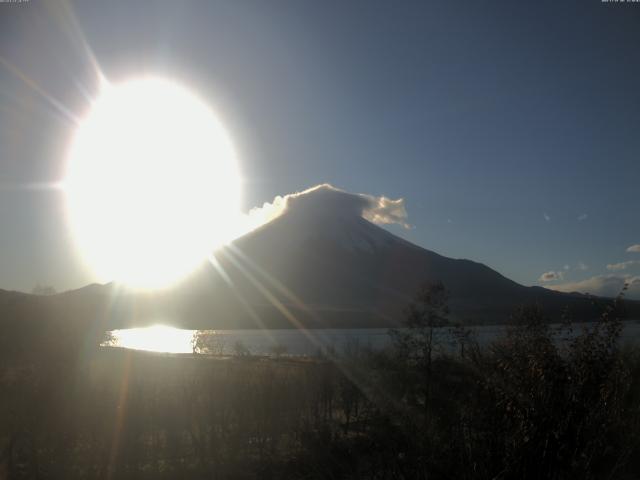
column 342, row 263
column 319, row 264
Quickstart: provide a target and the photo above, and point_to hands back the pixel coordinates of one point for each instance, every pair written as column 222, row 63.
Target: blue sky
column 509, row 128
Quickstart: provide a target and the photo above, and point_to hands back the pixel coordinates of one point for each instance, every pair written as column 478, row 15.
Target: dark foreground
column 524, row 407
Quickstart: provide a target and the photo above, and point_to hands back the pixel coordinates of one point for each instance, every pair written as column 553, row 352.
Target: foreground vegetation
column 538, row 403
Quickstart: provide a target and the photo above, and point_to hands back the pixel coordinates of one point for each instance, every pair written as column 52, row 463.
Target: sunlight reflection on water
column 157, row 338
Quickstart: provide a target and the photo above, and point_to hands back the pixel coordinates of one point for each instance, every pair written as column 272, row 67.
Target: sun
column 152, row 183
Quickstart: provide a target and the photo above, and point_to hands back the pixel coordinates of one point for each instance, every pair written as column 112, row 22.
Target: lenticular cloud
column 326, row 199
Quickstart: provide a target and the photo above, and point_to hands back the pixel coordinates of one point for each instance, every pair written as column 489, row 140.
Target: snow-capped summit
column 325, row 213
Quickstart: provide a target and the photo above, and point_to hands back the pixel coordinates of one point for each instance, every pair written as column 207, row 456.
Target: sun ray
column 358, row 378
column 250, row 310
column 271, row 298
column 54, row 102
column 275, row 282
column 311, row 334
column 120, row 416
column 267, row 293
column 66, row 18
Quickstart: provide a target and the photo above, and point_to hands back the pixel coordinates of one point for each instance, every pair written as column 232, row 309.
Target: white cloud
column 326, row 198
column 583, row 217
column 622, row 265
column 268, row 211
column 603, row 286
column 566, row 267
column 551, row 276
column 582, row 266
column 546, row 217
column 634, row 248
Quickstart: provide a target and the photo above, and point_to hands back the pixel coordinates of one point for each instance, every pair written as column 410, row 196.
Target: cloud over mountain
column 634, row 248
column 327, row 199
column 551, row 276
column 622, row 265
column 603, row 285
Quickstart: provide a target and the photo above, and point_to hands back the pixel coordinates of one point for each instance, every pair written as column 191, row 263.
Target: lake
column 161, row 338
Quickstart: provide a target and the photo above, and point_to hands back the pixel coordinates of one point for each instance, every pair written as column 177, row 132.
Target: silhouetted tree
column 416, row 342
column 555, row 409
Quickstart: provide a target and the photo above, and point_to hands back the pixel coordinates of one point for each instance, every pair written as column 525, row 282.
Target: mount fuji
column 318, row 264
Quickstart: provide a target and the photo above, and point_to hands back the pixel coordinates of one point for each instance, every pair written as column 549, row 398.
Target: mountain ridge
column 317, row 264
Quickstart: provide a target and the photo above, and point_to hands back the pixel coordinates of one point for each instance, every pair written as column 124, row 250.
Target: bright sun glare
column 158, row 338
column 152, row 183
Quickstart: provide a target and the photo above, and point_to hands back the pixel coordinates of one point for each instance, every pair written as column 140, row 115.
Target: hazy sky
column 511, row 129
